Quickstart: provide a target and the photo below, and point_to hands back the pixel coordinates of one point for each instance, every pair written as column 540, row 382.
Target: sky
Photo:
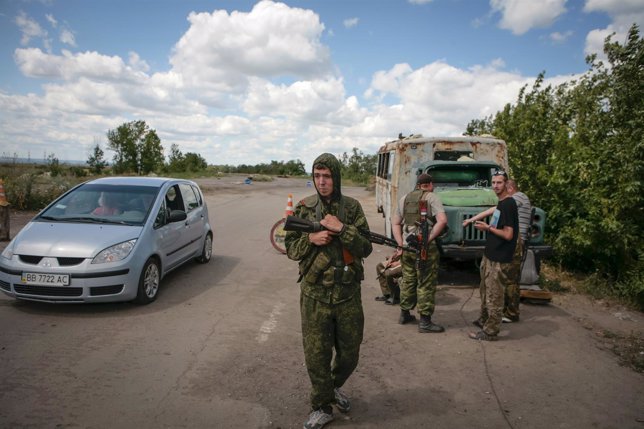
column 250, row 82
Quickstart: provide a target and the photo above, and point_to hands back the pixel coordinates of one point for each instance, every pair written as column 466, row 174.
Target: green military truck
column 461, row 168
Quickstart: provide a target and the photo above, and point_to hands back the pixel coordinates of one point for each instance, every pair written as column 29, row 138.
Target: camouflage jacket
column 325, row 275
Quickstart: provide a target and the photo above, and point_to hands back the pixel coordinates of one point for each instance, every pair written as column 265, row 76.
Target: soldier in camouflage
column 330, row 267
column 418, row 287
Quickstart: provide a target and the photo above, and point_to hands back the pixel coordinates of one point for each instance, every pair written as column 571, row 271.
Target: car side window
column 189, row 196
column 173, row 199
column 160, row 219
column 198, row 194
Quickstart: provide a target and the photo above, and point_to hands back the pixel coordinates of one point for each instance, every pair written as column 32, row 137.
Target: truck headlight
column 114, row 253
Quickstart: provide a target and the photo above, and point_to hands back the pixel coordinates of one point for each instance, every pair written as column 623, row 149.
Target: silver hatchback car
column 110, row 239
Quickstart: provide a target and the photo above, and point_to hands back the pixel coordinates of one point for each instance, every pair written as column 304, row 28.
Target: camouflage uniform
column 512, row 295
column 418, row 286
column 330, row 301
column 387, row 274
column 494, row 278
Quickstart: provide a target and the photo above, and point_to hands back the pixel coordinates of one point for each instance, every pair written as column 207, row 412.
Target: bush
column 25, row 192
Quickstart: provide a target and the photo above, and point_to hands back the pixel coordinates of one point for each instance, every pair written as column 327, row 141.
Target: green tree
column 53, row 165
column 194, row 162
column 137, row 148
column 176, row 158
column 358, row 167
column 151, row 153
column 95, row 160
column 578, row 150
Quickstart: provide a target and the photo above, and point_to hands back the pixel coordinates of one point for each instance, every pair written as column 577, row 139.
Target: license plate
column 43, row 279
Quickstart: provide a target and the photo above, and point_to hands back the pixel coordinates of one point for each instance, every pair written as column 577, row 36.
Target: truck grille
column 470, row 233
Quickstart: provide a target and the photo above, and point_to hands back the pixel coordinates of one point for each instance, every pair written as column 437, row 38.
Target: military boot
column 405, row 317
column 426, row 325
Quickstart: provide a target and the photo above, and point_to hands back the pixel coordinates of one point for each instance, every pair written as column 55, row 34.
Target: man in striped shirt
column 524, row 207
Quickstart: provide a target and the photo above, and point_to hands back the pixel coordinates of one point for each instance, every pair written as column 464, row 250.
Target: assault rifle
column 294, row 223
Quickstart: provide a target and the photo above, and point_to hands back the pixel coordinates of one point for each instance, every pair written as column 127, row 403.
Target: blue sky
column 249, row 82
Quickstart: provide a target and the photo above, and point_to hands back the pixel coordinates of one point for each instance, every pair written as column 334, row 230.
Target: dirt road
column 221, row 348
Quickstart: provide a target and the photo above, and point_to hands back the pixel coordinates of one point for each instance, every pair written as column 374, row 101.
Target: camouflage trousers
column 418, row 286
column 327, row 328
column 512, row 295
column 387, row 277
column 495, row 277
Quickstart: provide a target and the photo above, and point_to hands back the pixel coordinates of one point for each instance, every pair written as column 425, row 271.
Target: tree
column 151, row 153
column 137, row 148
column 358, row 167
column 194, row 162
column 578, row 151
column 176, row 158
column 53, row 164
column 95, row 160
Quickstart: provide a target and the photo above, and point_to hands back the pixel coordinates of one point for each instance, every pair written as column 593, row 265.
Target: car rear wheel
column 149, row 282
column 206, row 252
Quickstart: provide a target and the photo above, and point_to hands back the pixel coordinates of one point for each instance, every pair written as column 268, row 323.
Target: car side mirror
column 177, row 216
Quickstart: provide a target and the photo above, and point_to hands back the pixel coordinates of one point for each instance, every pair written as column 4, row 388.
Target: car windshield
column 94, row 203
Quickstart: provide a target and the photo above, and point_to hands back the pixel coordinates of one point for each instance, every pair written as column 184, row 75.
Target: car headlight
column 114, row 253
column 8, row 251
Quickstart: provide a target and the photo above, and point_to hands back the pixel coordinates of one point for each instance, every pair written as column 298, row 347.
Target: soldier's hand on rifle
column 332, row 223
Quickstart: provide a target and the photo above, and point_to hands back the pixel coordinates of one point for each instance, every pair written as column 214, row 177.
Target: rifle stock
column 294, row 223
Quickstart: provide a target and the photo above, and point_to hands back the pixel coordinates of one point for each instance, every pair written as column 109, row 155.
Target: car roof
column 137, row 181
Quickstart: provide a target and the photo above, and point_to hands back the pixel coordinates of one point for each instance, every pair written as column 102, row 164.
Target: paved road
column 221, row 348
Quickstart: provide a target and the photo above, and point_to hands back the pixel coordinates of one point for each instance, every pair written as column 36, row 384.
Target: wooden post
column 4, row 214
column 4, row 223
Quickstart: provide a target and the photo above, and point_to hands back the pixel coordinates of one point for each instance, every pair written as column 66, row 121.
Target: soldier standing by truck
column 420, row 270
column 497, row 269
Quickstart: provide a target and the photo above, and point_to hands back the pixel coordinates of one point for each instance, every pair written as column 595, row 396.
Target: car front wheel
column 206, row 252
column 149, row 282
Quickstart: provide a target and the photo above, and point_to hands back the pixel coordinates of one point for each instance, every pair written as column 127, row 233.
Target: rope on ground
column 487, row 368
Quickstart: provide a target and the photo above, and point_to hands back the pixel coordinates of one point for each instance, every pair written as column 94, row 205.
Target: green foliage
column 31, row 191
column 275, row 168
column 358, row 167
column 137, row 148
column 578, row 151
column 96, row 161
column 77, row 171
column 53, row 165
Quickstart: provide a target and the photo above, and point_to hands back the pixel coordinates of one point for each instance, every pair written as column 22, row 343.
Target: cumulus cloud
column 29, row 28
column 557, row 37
column 521, row 16
column 52, row 21
column 220, row 52
column 67, row 37
column 242, row 87
column 350, row 22
column 624, row 13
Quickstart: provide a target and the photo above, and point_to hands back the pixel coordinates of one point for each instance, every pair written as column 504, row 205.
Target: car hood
column 467, row 197
column 72, row 240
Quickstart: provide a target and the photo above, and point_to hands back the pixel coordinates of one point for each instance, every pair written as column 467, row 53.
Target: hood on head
column 331, row 162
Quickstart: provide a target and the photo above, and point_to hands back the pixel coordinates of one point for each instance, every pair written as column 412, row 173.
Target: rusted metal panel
column 411, row 153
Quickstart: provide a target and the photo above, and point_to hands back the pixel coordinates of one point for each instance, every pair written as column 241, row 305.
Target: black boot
column 395, row 295
column 426, row 325
column 405, row 317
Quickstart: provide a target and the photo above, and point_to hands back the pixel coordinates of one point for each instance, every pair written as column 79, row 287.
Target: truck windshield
column 460, row 177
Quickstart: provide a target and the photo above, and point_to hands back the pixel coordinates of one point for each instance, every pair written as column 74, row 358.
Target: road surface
column 221, row 348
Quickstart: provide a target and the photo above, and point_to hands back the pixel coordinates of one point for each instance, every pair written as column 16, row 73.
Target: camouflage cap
column 423, row 178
